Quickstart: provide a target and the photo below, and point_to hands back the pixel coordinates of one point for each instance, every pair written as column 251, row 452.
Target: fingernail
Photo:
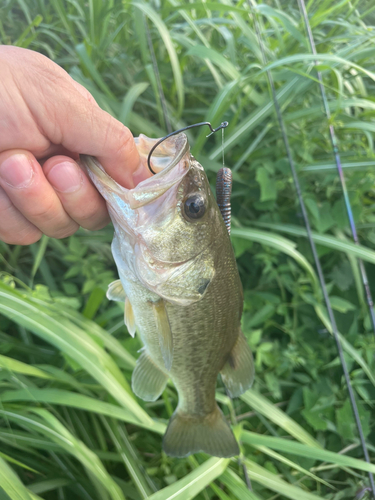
column 65, row 177
column 17, row 171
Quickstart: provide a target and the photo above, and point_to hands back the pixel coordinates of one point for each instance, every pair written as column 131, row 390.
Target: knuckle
column 125, row 140
column 46, row 211
column 63, row 232
column 94, row 224
column 119, row 136
column 93, row 212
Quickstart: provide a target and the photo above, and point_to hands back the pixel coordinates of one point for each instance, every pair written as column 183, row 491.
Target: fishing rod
column 313, row 247
column 349, row 211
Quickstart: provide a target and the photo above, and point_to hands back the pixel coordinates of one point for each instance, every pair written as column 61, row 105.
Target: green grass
column 70, row 427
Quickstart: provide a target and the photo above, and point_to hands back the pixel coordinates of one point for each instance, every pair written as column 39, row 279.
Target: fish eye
column 195, row 207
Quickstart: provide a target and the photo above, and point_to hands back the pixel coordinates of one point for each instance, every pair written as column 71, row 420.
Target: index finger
column 67, row 116
column 95, row 132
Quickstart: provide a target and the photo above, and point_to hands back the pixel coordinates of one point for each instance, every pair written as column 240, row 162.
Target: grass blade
column 11, row 486
column 194, row 482
column 261, row 404
column 261, row 475
column 164, row 33
column 304, row 450
column 329, row 241
column 72, row 399
column 72, row 340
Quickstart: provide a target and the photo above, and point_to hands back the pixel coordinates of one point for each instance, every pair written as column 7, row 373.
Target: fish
column 182, row 292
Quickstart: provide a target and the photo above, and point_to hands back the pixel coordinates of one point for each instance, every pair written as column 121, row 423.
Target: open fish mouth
column 166, row 155
column 170, row 160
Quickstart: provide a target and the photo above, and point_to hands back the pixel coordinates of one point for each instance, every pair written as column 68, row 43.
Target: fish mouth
column 171, row 161
column 165, row 156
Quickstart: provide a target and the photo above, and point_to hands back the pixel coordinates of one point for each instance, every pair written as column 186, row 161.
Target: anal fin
column 116, row 291
column 238, row 371
column 148, row 381
column 165, row 333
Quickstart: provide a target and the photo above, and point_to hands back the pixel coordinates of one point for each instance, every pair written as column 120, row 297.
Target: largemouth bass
column 182, row 293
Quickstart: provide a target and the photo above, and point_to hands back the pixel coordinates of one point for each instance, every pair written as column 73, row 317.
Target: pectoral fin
column 129, row 317
column 238, row 371
column 116, row 292
column 148, row 381
column 165, row 333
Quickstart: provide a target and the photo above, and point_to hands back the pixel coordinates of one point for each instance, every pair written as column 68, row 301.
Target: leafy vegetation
column 70, row 426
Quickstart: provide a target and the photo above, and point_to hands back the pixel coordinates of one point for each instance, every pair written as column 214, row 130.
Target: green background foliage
column 70, row 427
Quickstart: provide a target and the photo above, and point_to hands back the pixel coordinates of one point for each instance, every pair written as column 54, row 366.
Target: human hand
column 46, row 120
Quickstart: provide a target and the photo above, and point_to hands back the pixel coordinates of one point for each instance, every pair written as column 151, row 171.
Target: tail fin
column 188, row 434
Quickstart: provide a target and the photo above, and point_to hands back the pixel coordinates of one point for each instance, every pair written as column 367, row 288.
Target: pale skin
column 46, row 120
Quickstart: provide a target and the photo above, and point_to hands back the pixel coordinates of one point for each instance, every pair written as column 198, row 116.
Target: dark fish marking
column 203, row 286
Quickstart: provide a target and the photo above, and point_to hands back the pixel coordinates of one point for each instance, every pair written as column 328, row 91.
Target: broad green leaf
column 354, row 353
column 267, row 185
column 341, row 305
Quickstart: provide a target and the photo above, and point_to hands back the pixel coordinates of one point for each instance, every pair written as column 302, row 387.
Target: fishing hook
column 213, row 130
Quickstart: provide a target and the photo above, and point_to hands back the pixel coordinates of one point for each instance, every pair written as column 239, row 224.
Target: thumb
column 99, row 134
